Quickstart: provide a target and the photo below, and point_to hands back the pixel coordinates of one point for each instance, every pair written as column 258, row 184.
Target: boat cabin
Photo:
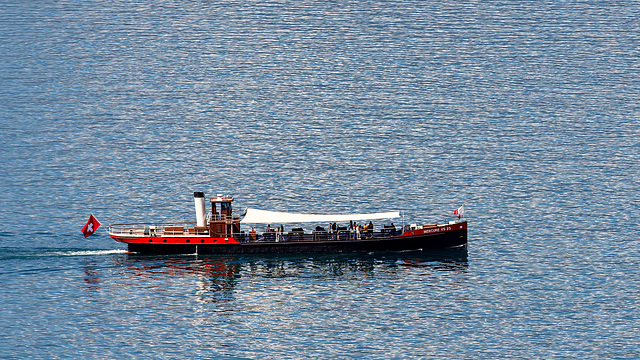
column 222, row 223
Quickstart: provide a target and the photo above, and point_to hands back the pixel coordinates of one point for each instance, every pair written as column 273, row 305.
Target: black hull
column 397, row 243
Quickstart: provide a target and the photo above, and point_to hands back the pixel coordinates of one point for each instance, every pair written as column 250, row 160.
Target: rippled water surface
column 526, row 113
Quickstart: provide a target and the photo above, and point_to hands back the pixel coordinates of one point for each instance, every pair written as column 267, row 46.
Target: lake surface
column 526, row 113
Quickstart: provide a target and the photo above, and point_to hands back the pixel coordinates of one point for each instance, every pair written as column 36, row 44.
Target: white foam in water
column 93, row 252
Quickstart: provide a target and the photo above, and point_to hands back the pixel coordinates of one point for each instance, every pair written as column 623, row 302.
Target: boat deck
column 187, row 230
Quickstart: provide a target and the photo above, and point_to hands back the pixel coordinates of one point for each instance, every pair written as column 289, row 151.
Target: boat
column 221, row 232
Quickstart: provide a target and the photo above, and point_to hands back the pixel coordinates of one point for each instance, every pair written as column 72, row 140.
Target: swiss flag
column 459, row 211
column 92, row 225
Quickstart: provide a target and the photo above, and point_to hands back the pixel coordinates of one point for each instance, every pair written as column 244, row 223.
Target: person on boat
column 358, row 231
column 277, row 231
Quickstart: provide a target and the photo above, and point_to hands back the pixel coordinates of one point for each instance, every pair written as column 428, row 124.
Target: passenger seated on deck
column 388, row 230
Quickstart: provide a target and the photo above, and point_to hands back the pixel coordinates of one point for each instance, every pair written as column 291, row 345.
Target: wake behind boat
column 220, row 232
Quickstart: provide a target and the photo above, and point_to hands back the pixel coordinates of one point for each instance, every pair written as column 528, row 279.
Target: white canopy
column 255, row 216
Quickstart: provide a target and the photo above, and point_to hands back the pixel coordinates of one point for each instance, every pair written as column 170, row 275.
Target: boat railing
column 157, row 229
column 295, row 234
column 298, row 234
column 224, row 217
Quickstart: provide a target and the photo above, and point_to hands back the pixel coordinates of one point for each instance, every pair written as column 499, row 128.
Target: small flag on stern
column 459, row 211
column 92, row 225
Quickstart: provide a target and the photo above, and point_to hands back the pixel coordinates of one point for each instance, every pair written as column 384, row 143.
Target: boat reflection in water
column 217, row 277
column 454, row 259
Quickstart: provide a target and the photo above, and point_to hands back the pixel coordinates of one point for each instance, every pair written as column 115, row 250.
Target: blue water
column 526, row 113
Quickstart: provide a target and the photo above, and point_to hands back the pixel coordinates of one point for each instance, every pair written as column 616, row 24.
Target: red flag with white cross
column 92, row 225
